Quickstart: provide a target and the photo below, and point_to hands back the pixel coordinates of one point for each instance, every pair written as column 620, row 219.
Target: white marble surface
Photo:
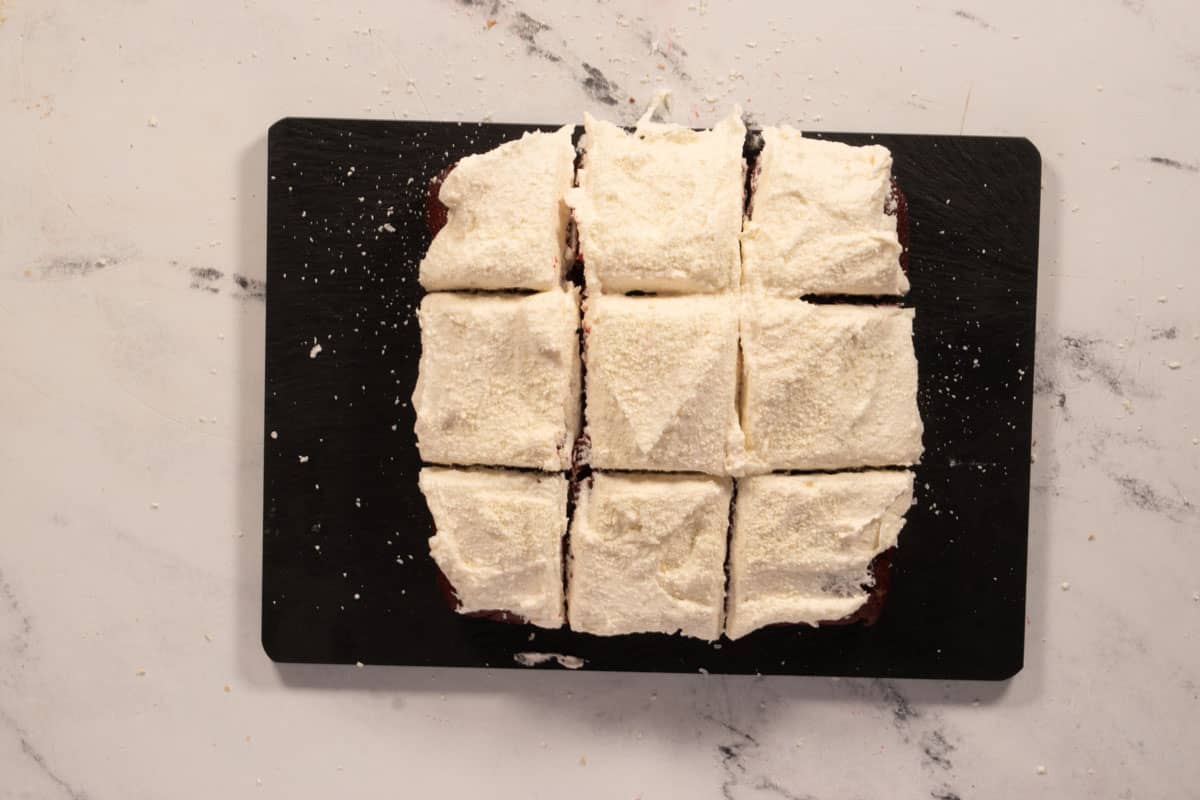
column 132, row 150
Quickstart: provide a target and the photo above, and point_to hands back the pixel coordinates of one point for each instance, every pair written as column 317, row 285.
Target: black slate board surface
column 347, row 575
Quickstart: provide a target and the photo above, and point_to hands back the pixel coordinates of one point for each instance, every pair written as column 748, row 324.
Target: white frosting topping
column 817, row 222
column 828, row 386
column 499, row 539
column 506, row 221
column 499, row 379
column 801, row 545
column 661, row 383
column 648, row 555
column 660, row 210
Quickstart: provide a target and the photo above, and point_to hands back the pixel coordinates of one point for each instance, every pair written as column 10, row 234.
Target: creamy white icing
column 661, row 383
column 648, row 555
column 817, row 223
column 828, row 386
column 499, row 379
column 499, row 539
column 801, row 545
column 659, row 210
column 506, row 219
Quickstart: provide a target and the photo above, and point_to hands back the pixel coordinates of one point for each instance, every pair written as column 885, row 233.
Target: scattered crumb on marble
column 1041, row 770
column 152, row 121
column 1065, row 586
column 359, row 664
column 228, row 688
column 1174, row 365
column 1091, row 537
column 154, row 506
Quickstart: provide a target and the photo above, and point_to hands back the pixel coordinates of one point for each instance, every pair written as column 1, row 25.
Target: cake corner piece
column 506, row 217
column 802, row 545
column 498, row 540
column 819, row 223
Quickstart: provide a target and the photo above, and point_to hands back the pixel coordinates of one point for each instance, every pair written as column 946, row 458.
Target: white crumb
column 154, row 506
column 1174, row 365
column 1065, row 586
column 274, row 434
column 530, row 659
column 359, row 664
column 151, row 121
column 316, row 348
column 303, row 459
column 1041, row 770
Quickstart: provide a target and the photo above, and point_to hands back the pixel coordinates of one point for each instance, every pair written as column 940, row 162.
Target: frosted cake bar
column 828, row 386
column 506, row 220
column 660, row 209
column 661, row 383
column 648, row 555
column 499, row 379
column 498, row 539
column 817, row 223
column 802, row 545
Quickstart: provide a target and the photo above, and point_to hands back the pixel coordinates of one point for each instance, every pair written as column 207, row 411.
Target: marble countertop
column 132, row 150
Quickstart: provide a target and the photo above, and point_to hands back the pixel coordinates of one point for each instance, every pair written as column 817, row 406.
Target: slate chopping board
column 347, row 575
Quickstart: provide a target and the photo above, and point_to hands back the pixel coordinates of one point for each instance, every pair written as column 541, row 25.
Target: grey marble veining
column 132, row 212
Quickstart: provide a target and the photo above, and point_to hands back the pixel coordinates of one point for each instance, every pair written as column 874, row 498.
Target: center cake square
column 662, row 383
column 647, row 555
